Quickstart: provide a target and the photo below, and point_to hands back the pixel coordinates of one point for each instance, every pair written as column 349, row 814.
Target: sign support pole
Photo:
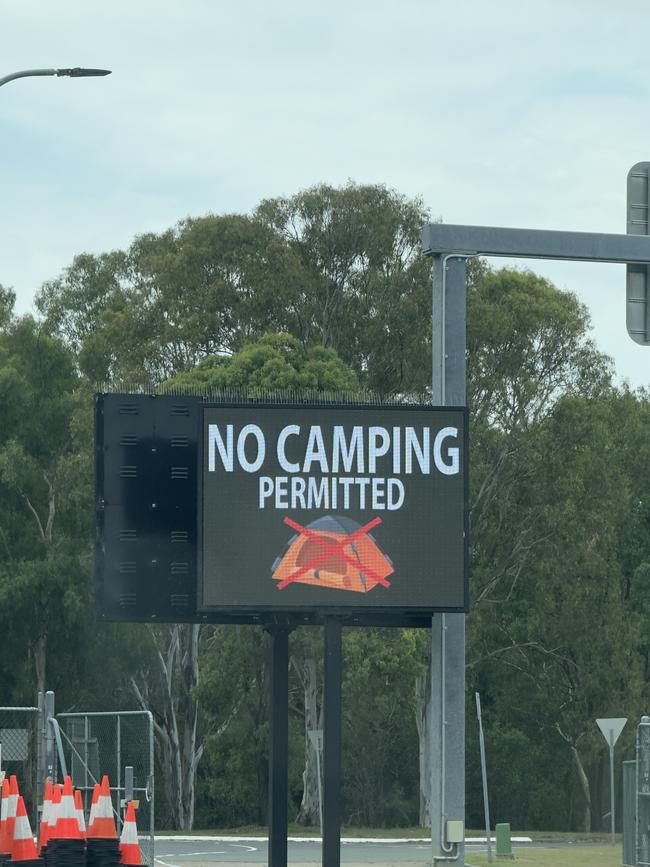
column 611, row 787
column 279, row 764
column 332, row 744
column 486, row 800
column 448, row 630
column 611, row 729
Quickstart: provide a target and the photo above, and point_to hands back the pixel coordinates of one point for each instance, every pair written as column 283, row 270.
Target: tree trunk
column 309, row 813
column 176, row 716
column 190, row 754
column 423, row 723
column 39, row 649
column 584, row 785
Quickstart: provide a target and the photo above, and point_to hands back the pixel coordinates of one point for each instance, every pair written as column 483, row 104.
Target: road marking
column 185, row 855
column 196, row 854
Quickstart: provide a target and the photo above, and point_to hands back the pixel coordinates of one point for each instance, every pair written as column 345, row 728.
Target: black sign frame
column 150, row 448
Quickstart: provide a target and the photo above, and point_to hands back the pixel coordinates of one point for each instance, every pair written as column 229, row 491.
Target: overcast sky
column 506, row 113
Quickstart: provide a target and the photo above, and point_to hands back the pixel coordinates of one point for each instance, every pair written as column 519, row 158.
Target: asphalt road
column 196, row 853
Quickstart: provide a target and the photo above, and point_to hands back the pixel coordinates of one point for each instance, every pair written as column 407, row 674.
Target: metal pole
column 151, row 790
column 486, row 803
column 642, row 800
column 26, row 73
column 49, row 734
column 86, row 759
column 319, row 748
column 40, row 757
column 54, row 725
column 438, row 239
column 448, row 342
column 611, row 783
column 128, row 785
column 316, row 740
column 119, row 769
column 279, row 735
column 332, row 745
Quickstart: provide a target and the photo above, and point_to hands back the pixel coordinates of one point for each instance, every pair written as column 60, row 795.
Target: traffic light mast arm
column 443, row 238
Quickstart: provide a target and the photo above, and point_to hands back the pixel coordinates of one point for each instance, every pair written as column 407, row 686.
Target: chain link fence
column 642, row 817
column 19, row 740
column 95, row 744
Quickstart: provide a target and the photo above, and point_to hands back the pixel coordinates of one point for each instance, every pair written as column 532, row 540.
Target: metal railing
column 94, row 744
column 19, row 749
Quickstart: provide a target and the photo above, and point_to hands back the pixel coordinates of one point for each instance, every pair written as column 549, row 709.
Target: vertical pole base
column 332, row 745
column 279, row 760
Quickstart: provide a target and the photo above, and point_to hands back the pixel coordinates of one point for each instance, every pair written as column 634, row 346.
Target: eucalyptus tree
column 45, row 507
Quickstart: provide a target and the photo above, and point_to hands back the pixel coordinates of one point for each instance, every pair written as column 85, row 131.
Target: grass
column 577, row 856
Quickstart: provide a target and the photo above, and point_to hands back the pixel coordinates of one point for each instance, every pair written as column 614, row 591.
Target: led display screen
column 333, row 507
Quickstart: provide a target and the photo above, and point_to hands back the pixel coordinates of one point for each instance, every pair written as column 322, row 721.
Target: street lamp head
column 80, row 72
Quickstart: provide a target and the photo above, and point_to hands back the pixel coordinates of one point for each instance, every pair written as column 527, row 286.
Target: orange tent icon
column 333, row 551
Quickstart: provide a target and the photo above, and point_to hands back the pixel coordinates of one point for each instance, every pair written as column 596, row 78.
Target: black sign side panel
column 99, row 503
column 177, row 425
column 146, row 465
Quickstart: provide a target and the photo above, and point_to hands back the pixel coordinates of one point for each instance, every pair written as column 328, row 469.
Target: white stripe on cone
column 79, row 809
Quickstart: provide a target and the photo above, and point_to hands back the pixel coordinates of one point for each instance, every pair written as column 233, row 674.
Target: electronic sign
column 243, row 511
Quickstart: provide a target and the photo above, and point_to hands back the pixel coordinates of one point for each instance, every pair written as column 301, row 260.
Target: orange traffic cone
column 55, row 809
column 12, row 806
column 23, row 848
column 67, row 824
column 44, row 831
column 103, row 824
column 129, row 843
column 79, row 809
column 5, row 843
column 93, row 805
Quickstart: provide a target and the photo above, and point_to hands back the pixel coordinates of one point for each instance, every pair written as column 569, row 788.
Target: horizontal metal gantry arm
column 442, row 238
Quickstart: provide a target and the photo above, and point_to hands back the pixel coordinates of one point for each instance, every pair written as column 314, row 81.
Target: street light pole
column 77, row 72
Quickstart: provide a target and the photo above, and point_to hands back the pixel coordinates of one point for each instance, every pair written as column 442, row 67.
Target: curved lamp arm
column 77, row 72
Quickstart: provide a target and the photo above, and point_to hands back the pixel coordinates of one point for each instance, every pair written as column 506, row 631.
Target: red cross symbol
column 331, row 547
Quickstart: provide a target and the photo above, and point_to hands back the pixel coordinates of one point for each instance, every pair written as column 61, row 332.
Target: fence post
column 49, row 734
column 41, row 773
column 629, row 813
column 643, row 791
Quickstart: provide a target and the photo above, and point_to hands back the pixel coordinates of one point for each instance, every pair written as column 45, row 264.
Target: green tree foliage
column 202, row 288
column 234, row 698
column 364, row 287
column 43, row 506
column 334, row 267
column 548, row 645
column 380, row 745
column 552, row 496
column 527, row 344
column 275, row 362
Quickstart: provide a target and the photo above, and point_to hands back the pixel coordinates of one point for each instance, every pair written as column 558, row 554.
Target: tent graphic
column 333, row 551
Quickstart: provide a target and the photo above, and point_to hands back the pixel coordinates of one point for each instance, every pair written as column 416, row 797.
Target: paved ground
column 303, row 853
